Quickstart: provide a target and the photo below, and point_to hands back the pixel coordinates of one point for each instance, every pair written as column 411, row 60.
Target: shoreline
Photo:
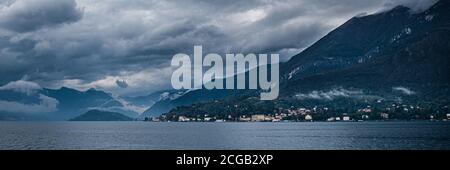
column 349, row 121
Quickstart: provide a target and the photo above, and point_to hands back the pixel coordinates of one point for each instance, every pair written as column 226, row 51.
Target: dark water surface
column 152, row 135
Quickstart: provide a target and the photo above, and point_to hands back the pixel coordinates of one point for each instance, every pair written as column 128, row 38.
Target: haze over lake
column 172, row 135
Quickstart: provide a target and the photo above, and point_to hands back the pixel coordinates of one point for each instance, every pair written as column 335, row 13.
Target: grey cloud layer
column 115, row 44
column 30, row 15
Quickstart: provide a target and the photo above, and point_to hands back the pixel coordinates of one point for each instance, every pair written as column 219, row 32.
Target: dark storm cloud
column 93, row 43
column 30, row 15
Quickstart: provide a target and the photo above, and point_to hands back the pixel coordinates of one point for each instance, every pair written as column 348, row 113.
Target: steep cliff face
column 395, row 48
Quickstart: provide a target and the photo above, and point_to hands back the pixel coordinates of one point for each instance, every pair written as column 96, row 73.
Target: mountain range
column 397, row 55
column 66, row 103
column 98, row 115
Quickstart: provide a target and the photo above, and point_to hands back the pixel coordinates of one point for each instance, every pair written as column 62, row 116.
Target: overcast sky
column 125, row 46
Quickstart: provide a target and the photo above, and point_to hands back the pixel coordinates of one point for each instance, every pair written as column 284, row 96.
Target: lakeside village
column 393, row 113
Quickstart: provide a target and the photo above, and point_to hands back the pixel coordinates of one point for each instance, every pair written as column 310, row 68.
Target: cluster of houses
column 302, row 113
column 299, row 114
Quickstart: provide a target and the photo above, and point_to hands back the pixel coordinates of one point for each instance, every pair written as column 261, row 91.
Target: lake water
column 153, row 135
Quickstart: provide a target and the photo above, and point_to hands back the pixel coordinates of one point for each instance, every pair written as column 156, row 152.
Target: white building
column 183, row 119
column 384, row 115
column 258, row 118
column 244, row 119
column 346, row 118
column 308, row 118
column 268, row 118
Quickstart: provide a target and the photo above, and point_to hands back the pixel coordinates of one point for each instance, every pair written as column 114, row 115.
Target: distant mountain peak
column 91, row 89
column 100, row 115
column 66, row 89
column 399, row 8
